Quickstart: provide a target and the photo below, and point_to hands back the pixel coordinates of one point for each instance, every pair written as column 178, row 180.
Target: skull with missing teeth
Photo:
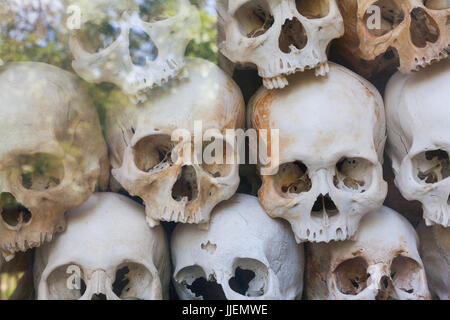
column 417, row 31
column 381, row 262
column 280, row 37
column 132, row 43
column 331, row 141
column 244, row 255
column 150, row 161
column 418, row 118
column 51, row 155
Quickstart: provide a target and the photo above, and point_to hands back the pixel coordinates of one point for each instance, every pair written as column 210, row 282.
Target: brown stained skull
column 417, row 31
column 52, row 153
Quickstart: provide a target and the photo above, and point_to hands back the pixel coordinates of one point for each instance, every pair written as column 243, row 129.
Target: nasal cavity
column 293, row 34
column 142, row 48
column 99, row 296
column 324, row 204
column 13, row 213
column 186, row 188
column 423, row 28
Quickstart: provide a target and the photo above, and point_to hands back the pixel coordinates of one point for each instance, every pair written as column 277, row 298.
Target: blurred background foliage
column 28, row 33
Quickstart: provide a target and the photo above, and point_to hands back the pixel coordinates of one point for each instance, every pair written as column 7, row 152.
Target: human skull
column 52, row 152
column 148, row 161
column 435, row 252
column 244, row 255
column 381, row 262
column 135, row 44
column 280, row 37
column 331, row 141
column 107, row 252
column 418, row 121
column 418, row 31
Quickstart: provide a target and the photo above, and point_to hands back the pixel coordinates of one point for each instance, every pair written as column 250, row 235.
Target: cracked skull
column 51, row 156
column 106, row 253
column 280, row 37
column 133, row 44
column 148, row 159
column 381, row 262
column 331, row 141
column 244, row 255
column 417, row 31
column 418, row 120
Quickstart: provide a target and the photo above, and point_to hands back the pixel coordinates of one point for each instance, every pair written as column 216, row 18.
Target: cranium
column 149, row 163
column 418, row 121
column 107, row 252
column 52, row 152
column 280, row 37
column 381, row 262
column 135, row 44
column 435, row 252
column 332, row 134
column 244, row 255
column 417, row 31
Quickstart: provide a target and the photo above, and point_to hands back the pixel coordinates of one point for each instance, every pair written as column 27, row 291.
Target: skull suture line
column 418, row 118
column 52, row 152
column 381, row 262
column 160, row 29
column 145, row 159
column 332, row 134
column 280, row 37
column 244, row 255
column 109, row 251
column 418, row 31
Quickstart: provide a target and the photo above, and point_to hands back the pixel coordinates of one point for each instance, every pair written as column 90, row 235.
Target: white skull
column 381, row 262
column 435, row 252
column 107, row 252
column 108, row 57
column 52, row 152
column 244, row 255
column 332, row 134
column 149, row 164
column 280, row 37
column 418, row 118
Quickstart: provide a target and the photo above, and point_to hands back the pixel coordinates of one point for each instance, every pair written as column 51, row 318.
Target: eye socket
column 157, row 10
column 353, row 174
column 254, row 18
column 423, row 28
column 66, row 282
column 292, row 178
column 431, row 166
column 153, row 153
column 250, row 277
column 132, row 281
column 40, row 171
column 215, row 158
column 405, row 273
column 96, row 37
column 12, row 212
column 391, row 16
column 313, row 9
column 351, row 276
column 193, row 280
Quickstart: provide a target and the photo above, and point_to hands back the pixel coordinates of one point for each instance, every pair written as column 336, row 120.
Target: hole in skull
column 142, row 49
column 432, row 166
column 313, row 9
column 353, row 174
column 121, row 280
column 95, row 37
column 254, row 18
column 437, row 4
column 292, row 178
column 423, row 28
column 98, row 296
column 40, row 171
column 405, row 273
column 293, row 35
column 153, row 153
column 208, row 290
column 240, row 282
column 351, row 276
column 186, row 188
column 215, row 158
column 13, row 213
column 391, row 16
column 324, row 205
column 157, row 10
